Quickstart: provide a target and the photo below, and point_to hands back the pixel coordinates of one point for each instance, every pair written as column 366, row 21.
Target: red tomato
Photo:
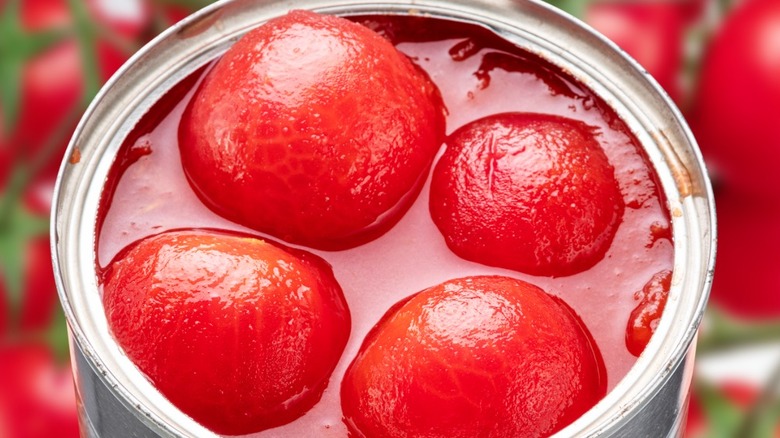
column 52, row 89
column 747, row 280
column 174, row 13
column 6, row 158
column 652, row 32
column 40, row 292
column 736, row 114
column 52, row 83
column 37, row 398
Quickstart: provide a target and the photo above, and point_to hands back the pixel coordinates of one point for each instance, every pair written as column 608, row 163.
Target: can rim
column 578, row 49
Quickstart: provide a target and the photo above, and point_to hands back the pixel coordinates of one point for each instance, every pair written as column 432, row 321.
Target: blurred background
column 719, row 60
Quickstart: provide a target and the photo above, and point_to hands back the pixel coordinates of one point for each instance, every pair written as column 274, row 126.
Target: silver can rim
column 535, row 26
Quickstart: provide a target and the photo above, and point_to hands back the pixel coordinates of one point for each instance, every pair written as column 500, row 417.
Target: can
column 115, row 398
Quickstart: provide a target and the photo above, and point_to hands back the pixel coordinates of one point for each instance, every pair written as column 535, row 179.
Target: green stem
column 191, row 5
column 750, row 426
column 722, row 333
column 577, row 8
column 25, row 172
column 57, row 336
column 125, row 45
column 16, row 185
column 85, row 35
column 59, row 136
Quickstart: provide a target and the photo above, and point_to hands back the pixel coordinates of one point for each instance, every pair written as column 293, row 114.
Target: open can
column 115, row 398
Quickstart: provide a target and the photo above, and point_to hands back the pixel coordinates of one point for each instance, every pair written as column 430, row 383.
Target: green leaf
column 723, row 332
column 723, row 416
column 767, row 422
column 10, row 63
column 577, row 8
column 190, row 5
column 39, row 42
column 10, row 89
column 57, row 336
column 86, row 36
column 763, row 417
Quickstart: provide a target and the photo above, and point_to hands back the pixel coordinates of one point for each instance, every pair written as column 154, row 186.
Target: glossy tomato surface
column 237, row 332
column 524, row 191
column 314, row 129
column 484, row 356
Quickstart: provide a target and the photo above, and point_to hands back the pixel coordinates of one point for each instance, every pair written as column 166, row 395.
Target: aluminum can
column 650, row 401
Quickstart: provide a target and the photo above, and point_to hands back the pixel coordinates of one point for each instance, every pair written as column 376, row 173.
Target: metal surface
column 119, row 402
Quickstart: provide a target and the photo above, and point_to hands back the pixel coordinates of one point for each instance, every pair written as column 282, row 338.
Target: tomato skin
column 735, row 115
column 37, row 397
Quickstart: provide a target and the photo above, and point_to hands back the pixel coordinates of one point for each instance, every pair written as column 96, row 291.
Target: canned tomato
column 122, row 181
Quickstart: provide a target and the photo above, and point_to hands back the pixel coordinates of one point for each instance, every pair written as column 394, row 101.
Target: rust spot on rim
column 677, row 166
column 200, row 25
column 75, row 156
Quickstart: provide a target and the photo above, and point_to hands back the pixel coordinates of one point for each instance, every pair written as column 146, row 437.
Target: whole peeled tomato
column 473, row 357
column 529, row 192
column 735, row 116
column 313, row 129
column 240, row 334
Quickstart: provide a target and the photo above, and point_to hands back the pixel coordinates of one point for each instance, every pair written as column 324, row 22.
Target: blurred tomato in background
column 54, row 56
column 652, row 32
column 718, row 60
column 735, row 114
column 37, row 397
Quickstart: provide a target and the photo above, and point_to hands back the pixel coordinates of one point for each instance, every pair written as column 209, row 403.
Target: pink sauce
column 478, row 74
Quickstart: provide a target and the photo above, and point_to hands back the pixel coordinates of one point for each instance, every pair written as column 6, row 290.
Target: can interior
column 535, row 27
